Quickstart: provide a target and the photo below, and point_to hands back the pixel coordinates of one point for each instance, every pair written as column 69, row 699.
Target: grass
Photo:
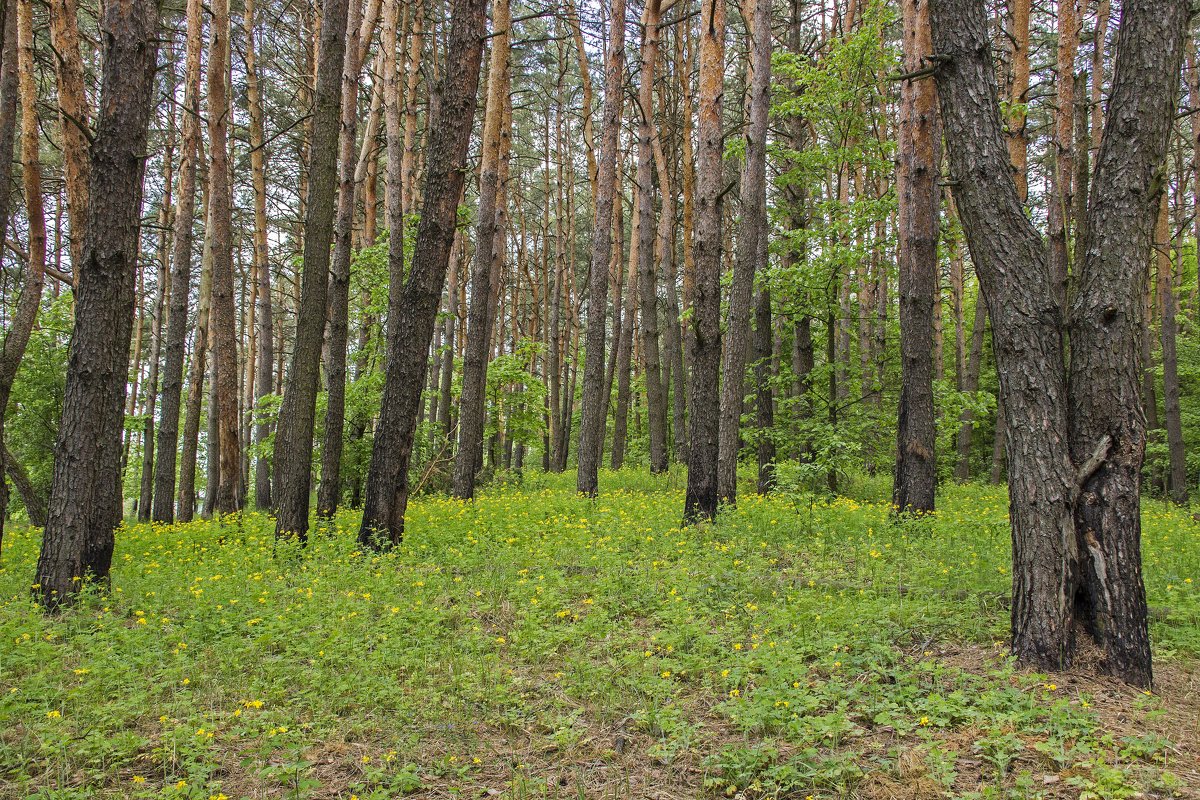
column 538, row 644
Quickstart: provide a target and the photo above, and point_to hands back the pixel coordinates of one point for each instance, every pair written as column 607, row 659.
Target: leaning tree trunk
column 413, row 302
column 750, row 237
column 592, row 415
column 166, row 451
column 85, row 493
column 329, row 490
column 917, row 187
column 294, row 433
column 488, row 237
column 704, row 328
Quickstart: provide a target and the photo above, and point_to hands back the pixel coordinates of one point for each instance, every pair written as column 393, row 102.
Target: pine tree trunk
column 294, row 433
column 750, row 237
column 592, row 415
column 196, row 376
column 1177, row 485
column 704, row 330
column 624, row 354
column 85, row 494
column 413, row 301
column 488, row 237
column 73, row 119
column 919, row 145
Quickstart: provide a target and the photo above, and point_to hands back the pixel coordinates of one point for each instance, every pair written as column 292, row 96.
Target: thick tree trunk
column 488, row 236
column 915, row 482
column 753, row 231
column 592, row 415
column 337, row 334
column 413, row 302
column 294, row 433
column 704, row 330
column 85, row 493
column 656, row 396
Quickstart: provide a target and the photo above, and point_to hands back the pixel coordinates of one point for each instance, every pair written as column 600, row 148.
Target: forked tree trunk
column 592, row 414
column 294, row 433
column 85, row 493
column 915, row 482
column 413, row 302
column 1075, row 445
column 704, row 329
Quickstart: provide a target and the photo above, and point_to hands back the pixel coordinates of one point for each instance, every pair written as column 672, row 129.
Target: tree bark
column 1177, row 485
column 656, row 396
column 488, row 237
column 337, row 333
column 73, row 119
column 753, row 231
column 704, row 330
column 197, row 371
column 915, row 483
column 294, row 433
column 592, row 414
column 85, row 493
column 413, row 302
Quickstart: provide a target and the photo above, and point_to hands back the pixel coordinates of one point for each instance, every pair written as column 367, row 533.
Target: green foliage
column 800, row 647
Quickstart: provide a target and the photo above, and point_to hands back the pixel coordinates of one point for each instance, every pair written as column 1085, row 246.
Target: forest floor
column 537, row 644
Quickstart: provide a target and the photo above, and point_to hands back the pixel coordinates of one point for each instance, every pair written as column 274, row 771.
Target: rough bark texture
column 163, row 506
column 264, row 314
column 412, row 303
column 704, row 330
column 294, row 435
column 750, row 235
column 224, row 316
column 1177, row 485
column 656, row 396
column 915, row 482
column 85, row 494
column 1075, row 449
column 1105, row 318
column 764, row 394
column 337, row 334
column 488, row 236
column 592, row 414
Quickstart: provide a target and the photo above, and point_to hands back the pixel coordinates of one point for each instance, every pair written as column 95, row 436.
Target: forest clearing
column 538, row 644
column 654, row 399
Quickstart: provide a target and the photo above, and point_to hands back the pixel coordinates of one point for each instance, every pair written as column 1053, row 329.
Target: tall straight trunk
column 264, row 316
column 704, row 330
column 329, row 491
column 673, row 332
column 962, row 466
column 413, row 301
column 85, row 492
column 753, row 232
column 73, row 119
column 1076, row 443
column 656, row 395
column 1059, row 210
column 919, row 146
column 488, row 237
column 1017, row 137
column 18, row 29
column 224, row 325
column 294, row 433
column 196, row 376
column 592, row 415
column 624, row 354
column 412, row 73
column 1177, row 484
column 212, row 433
column 146, row 489
column 764, row 395
column 446, row 416
column 557, row 341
